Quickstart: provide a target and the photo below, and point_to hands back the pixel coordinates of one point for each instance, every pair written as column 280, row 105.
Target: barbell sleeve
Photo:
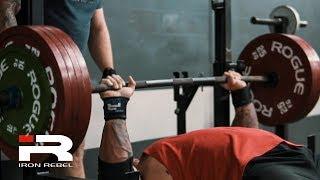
column 303, row 23
column 276, row 21
column 4, row 99
column 201, row 81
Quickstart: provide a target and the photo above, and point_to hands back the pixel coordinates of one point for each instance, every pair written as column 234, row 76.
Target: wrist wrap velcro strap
column 241, row 97
column 108, row 72
column 116, row 171
column 115, row 108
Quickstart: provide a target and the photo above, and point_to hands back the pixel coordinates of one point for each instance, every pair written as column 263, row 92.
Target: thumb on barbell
column 131, row 83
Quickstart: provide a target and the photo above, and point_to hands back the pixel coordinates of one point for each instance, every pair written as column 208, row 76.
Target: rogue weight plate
column 60, row 85
column 296, row 65
column 22, row 70
column 67, row 127
column 78, row 123
column 85, row 89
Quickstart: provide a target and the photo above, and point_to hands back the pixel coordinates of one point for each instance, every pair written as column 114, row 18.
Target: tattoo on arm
column 115, row 145
column 246, row 116
column 7, row 14
column 118, row 129
column 7, row 19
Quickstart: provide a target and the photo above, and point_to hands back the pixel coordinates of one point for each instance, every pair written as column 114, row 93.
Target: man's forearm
column 100, row 47
column 115, row 144
column 246, row 116
column 7, row 16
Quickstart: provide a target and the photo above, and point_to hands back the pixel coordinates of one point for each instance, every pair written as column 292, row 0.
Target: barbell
column 287, row 17
column 200, row 81
column 46, row 87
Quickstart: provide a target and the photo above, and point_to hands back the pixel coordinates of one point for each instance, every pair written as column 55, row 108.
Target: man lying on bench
column 223, row 153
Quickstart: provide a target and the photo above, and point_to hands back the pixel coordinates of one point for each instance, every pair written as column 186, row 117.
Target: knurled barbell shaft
column 203, row 81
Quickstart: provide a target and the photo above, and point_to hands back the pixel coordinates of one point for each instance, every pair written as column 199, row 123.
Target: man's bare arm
column 115, row 144
column 99, row 41
column 8, row 10
column 246, row 116
column 115, row 154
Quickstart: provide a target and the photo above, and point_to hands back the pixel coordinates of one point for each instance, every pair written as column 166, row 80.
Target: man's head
column 151, row 169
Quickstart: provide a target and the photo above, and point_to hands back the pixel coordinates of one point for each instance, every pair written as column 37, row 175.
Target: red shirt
column 212, row 154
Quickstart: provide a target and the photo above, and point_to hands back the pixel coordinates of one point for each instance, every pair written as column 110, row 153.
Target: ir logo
column 60, row 151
